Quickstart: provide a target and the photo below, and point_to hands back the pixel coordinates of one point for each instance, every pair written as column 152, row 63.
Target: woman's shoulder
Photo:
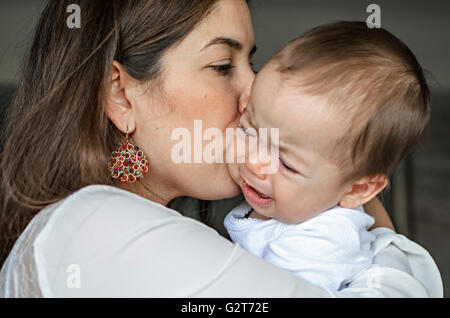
column 113, row 235
column 112, row 200
column 104, row 210
column 103, row 217
column 104, row 197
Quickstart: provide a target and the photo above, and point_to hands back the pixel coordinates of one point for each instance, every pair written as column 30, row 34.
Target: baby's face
column 306, row 181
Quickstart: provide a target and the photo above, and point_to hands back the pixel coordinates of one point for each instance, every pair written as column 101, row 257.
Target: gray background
column 423, row 25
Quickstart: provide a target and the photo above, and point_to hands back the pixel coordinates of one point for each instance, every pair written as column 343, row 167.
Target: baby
column 349, row 102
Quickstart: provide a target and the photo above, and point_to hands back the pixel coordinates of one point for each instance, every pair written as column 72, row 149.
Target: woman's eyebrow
column 234, row 44
column 224, row 41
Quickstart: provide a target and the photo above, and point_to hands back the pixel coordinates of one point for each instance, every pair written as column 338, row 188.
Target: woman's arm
column 401, row 268
column 375, row 209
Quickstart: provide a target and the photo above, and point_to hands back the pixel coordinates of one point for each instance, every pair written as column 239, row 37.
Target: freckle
column 205, row 96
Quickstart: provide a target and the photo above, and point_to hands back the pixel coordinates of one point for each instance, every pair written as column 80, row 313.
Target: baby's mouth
column 261, row 194
column 254, row 196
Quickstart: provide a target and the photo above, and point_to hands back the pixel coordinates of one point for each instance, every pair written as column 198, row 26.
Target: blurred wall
column 423, row 25
column 17, row 19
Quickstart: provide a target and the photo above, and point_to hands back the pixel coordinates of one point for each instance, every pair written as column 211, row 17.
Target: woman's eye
column 224, row 69
column 287, row 167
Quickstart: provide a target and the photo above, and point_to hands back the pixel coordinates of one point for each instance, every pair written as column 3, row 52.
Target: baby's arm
column 328, row 250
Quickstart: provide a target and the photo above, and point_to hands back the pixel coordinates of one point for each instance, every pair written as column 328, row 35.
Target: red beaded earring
column 128, row 164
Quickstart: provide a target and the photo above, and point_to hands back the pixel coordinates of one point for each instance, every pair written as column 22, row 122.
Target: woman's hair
column 57, row 138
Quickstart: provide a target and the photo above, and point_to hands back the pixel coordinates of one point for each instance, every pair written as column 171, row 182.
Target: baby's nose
column 256, row 168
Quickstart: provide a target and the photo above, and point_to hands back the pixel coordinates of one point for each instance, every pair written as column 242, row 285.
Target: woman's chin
column 226, row 191
column 236, row 190
column 225, row 186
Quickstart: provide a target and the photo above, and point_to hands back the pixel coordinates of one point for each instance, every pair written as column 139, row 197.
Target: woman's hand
column 375, row 209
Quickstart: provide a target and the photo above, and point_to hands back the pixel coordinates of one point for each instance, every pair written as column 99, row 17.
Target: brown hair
column 58, row 139
column 374, row 82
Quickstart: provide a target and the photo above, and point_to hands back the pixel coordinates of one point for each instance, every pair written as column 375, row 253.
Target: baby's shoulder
column 342, row 218
column 333, row 224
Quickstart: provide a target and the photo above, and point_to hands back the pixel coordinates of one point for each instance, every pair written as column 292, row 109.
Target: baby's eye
column 251, row 132
column 246, row 131
column 240, row 131
column 288, row 168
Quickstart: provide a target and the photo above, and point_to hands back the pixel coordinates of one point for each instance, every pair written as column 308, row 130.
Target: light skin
column 204, row 77
column 307, row 181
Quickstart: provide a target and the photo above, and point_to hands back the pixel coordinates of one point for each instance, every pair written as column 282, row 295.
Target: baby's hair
column 373, row 80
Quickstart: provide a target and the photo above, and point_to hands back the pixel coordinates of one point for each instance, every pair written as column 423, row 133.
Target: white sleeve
column 401, row 268
column 328, row 251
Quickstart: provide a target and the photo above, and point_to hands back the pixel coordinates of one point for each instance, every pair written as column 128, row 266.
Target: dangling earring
column 128, row 164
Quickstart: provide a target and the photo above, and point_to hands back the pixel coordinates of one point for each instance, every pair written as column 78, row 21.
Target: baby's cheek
column 292, row 207
column 233, row 170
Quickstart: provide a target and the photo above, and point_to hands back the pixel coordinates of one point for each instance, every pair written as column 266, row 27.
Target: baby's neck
column 255, row 215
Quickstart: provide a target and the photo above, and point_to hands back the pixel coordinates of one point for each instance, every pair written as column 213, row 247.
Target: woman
column 140, row 69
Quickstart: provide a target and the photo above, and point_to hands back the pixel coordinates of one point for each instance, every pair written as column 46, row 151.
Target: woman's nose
column 245, row 97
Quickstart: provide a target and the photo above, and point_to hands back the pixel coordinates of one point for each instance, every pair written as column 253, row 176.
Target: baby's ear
column 364, row 190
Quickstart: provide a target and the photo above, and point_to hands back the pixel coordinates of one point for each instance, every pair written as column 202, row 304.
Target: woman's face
column 203, row 78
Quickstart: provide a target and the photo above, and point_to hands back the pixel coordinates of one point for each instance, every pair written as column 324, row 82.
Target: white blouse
column 106, row 242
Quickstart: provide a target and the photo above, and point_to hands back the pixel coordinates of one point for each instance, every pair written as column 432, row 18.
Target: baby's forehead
column 285, row 101
column 281, row 84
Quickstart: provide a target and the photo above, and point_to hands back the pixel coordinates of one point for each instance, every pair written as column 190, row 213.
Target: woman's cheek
column 223, row 99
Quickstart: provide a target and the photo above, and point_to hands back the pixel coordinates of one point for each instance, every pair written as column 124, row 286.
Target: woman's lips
column 255, row 197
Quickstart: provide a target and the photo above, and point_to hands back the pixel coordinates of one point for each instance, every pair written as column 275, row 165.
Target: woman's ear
column 364, row 190
column 118, row 107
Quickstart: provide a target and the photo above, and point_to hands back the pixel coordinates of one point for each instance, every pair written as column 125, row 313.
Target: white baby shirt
column 329, row 250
